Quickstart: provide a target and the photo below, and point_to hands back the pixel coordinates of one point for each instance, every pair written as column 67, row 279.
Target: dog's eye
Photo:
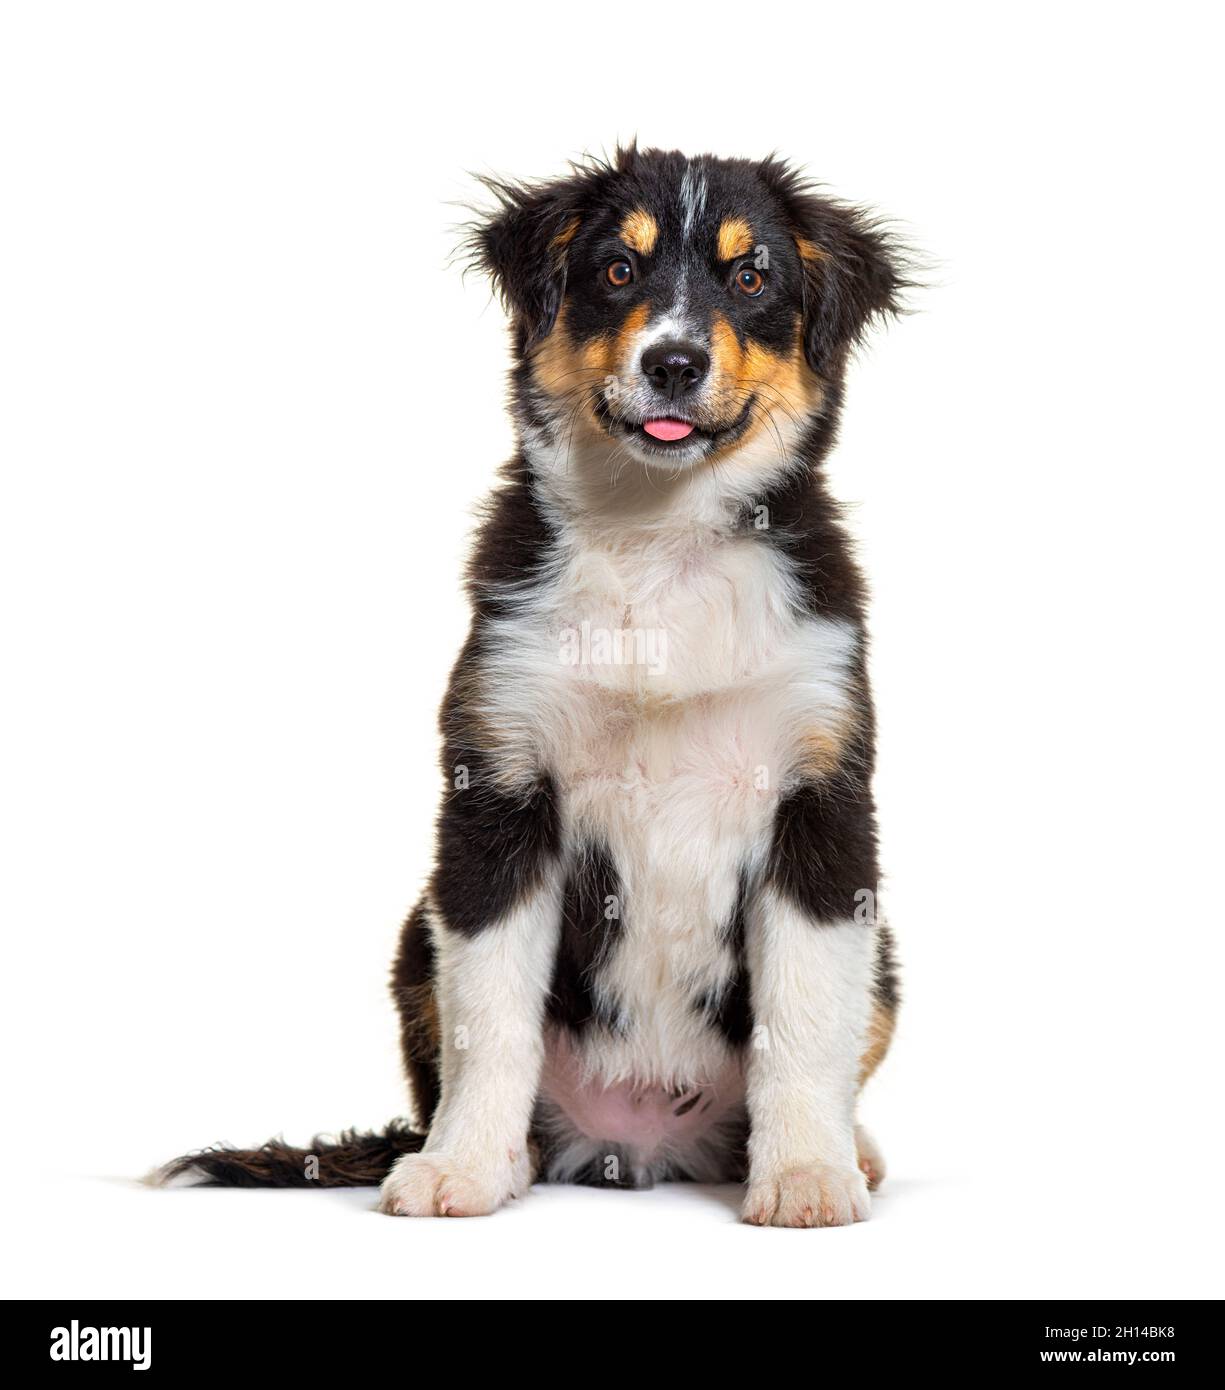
column 620, row 273
column 750, row 281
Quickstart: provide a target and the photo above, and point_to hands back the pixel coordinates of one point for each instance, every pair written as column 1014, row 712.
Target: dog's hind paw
column 871, row 1160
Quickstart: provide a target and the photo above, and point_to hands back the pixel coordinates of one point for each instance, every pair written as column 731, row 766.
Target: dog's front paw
column 434, row 1184
column 817, row 1194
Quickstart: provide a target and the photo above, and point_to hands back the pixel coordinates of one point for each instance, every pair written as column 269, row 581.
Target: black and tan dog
column 650, row 946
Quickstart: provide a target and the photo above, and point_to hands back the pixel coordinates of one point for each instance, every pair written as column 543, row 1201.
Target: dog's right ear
column 522, row 246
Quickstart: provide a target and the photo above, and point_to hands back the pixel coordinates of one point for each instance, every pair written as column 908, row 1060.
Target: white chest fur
column 667, row 681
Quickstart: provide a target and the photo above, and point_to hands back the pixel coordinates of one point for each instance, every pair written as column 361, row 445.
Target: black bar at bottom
column 348, row 1339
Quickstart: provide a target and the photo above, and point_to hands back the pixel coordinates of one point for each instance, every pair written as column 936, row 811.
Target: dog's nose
column 674, row 368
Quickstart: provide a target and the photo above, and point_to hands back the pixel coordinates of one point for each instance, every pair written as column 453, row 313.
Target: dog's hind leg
column 415, row 991
column 871, row 1160
column 881, row 1024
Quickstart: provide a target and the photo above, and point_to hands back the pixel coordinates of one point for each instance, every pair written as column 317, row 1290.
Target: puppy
column 650, row 948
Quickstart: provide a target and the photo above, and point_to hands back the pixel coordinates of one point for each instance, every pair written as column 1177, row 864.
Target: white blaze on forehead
column 693, row 199
column 672, row 325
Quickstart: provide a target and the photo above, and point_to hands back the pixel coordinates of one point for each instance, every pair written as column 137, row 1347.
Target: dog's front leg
column 811, row 983
column 492, row 985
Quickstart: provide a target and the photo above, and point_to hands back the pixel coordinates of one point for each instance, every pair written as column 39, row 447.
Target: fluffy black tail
column 350, row 1159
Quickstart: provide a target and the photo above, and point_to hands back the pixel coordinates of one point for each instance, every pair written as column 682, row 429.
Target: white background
column 247, row 408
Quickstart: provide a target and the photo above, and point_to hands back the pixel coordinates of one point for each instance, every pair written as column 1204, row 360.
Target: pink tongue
column 667, row 429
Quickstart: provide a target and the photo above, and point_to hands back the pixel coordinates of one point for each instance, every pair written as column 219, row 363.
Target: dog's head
column 682, row 306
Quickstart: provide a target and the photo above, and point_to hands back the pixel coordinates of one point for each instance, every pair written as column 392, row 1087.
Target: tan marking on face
column 781, row 382
column 879, row 1036
column 564, row 369
column 566, row 235
column 809, row 250
column 560, row 364
column 735, row 238
column 623, row 340
column 559, row 367
column 726, row 357
column 640, row 231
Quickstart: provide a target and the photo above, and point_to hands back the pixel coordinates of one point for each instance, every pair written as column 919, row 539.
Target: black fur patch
column 730, row 1010
column 588, row 935
column 493, row 846
column 413, row 989
column 512, row 545
column 887, row 987
column 823, row 851
column 798, row 517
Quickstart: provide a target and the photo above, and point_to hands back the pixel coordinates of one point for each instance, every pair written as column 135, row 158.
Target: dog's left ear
column 854, row 268
column 523, row 246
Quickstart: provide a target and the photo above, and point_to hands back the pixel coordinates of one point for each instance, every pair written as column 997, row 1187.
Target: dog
column 651, row 947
